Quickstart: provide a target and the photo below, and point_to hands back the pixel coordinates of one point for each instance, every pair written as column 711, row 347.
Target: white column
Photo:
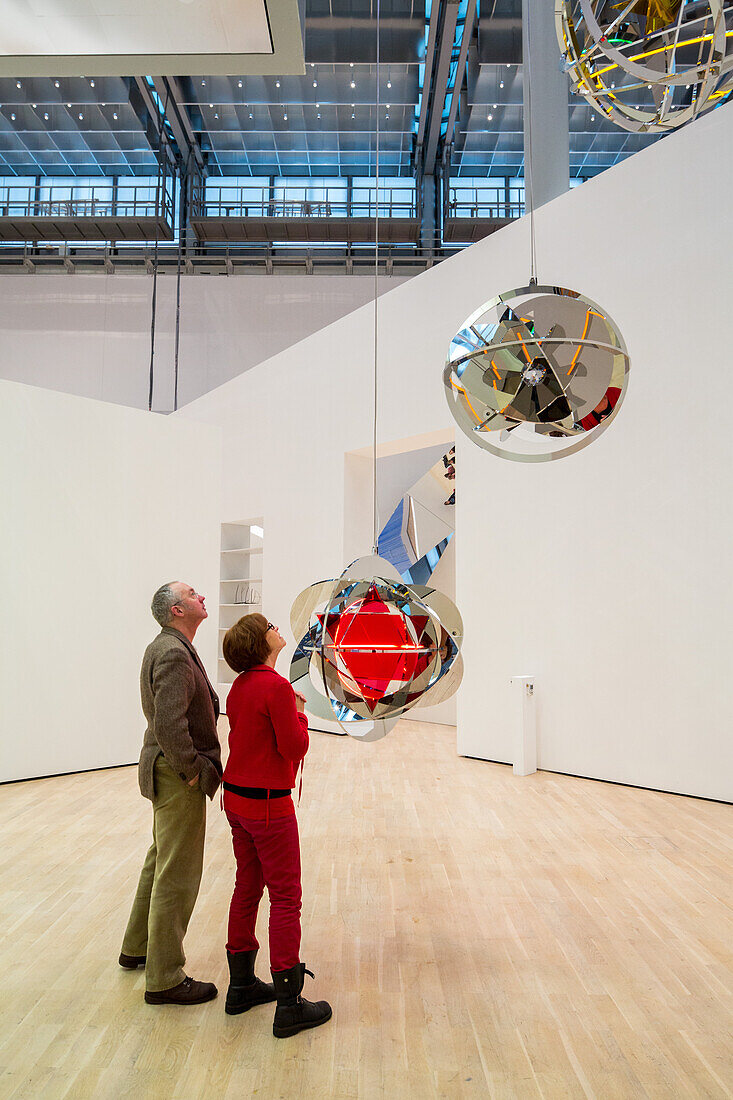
column 525, row 725
column 546, row 91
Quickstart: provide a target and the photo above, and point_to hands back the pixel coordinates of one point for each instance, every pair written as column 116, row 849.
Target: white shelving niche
column 240, row 585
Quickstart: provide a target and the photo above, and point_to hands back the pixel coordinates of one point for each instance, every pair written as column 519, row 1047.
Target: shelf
column 243, row 550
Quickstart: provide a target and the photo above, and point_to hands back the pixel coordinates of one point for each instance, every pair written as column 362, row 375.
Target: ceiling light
column 389, row 83
column 13, row 117
column 203, row 83
column 46, row 117
column 104, row 104
column 388, row 106
column 91, row 83
column 211, row 105
column 251, row 115
column 494, row 105
column 319, row 115
column 68, row 105
column 353, row 83
column 313, row 64
column 114, row 114
column 34, row 105
column 216, row 116
column 315, row 83
column 351, row 64
column 501, row 83
column 81, row 116
column 318, row 105
column 285, row 118
column 386, row 116
column 277, row 83
column 239, row 83
column 353, row 115
column 489, row 118
column 18, row 84
column 56, row 84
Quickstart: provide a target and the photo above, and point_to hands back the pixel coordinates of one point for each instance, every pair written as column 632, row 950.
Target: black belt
column 256, row 792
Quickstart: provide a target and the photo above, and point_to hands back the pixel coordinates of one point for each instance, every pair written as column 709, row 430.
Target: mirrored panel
column 648, row 65
column 536, row 373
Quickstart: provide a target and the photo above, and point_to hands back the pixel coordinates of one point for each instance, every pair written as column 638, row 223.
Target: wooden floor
column 478, row 935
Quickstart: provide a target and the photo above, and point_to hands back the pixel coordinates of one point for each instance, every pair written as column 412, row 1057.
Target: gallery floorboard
column 478, row 935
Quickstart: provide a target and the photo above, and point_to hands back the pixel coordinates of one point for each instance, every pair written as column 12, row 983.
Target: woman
column 268, row 738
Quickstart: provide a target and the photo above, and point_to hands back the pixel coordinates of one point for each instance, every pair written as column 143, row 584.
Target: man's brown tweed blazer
column 181, row 707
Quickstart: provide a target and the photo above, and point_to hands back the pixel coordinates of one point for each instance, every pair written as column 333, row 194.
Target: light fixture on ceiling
column 56, row 84
column 389, row 83
column 353, row 83
column 46, row 116
column 489, row 118
column 91, row 83
column 34, row 105
column 494, row 106
column 68, row 105
column 81, row 116
column 277, row 83
column 315, row 83
column 318, row 105
column 203, row 83
column 501, row 83
column 319, row 114
column 216, row 115
column 251, row 115
column 211, row 105
column 18, row 84
column 13, row 117
column 285, row 118
column 114, row 115
column 351, row 64
column 239, row 83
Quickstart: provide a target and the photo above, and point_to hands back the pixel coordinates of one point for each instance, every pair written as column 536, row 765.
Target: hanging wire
column 528, row 159
column 376, row 300
column 178, row 290
column 158, row 201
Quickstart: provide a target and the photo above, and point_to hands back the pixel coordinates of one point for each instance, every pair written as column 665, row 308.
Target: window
column 477, row 197
column 17, row 193
column 243, row 196
column 87, row 194
column 307, row 195
column 396, row 197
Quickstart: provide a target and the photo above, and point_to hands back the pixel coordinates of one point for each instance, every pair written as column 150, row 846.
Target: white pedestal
column 525, row 725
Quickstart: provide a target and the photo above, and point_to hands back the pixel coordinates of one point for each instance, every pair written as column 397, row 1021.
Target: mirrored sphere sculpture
column 371, row 647
column 648, row 65
column 536, row 373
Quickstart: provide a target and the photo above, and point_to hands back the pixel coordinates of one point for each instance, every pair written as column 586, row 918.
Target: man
column 180, row 764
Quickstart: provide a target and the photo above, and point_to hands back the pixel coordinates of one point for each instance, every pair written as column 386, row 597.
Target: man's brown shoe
column 131, row 962
column 188, row 992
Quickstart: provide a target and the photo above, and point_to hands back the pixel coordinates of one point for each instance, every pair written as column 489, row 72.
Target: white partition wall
column 604, row 575
column 99, row 505
column 90, row 334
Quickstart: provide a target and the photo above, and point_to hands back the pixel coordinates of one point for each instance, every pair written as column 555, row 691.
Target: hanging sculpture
column 648, row 65
column 536, row 373
column 372, row 647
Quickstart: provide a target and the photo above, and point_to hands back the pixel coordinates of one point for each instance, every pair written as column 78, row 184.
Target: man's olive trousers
column 170, row 879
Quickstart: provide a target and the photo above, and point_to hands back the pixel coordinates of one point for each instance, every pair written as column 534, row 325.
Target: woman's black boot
column 245, row 991
column 293, row 1012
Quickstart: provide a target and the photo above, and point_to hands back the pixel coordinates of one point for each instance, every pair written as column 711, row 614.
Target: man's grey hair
column 162, row 602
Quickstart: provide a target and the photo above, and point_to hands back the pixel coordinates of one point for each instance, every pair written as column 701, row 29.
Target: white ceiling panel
column 157, row 37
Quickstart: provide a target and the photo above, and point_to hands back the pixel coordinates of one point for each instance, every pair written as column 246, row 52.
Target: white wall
column 604, row 574
column 99, row 505
column 90, row 334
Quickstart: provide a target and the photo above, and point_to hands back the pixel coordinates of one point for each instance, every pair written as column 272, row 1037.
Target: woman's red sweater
column 268, row 737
